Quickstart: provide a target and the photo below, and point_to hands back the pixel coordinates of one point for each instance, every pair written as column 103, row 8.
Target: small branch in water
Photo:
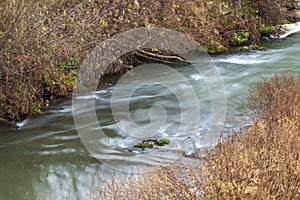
column 160, row 57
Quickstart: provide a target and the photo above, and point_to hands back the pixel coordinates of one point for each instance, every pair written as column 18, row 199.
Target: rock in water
column 150, row 143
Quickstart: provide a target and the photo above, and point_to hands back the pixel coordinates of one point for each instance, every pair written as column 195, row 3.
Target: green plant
column 163, row 141
column 241, row 37
column 150, row 143
column 265, row 29
column 37, row 110
column 70, row 78
column 285, row 21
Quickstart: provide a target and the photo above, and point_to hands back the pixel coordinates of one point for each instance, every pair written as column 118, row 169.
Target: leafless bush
column 275, row 98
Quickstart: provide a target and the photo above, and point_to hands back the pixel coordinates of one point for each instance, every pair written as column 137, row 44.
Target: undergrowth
column 38, row 38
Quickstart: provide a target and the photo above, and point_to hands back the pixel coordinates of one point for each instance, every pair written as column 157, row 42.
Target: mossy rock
column 216, row 48
column 150, row 143
column 243, row 48
column 143, row 145
column 251, row 47
column 163, row 142
column 139, row 145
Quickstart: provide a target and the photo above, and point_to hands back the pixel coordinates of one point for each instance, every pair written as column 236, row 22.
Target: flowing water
column 46, row 156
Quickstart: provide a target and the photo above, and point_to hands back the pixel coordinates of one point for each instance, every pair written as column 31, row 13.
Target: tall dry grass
column 177, row 182
column 261, row 161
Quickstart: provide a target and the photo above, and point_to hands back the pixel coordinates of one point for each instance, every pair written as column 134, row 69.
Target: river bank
column 40, row 55
column 286, row 30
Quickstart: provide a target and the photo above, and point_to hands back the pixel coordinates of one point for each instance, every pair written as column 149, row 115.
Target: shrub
column 37, row 37
column 241, row 37
column 275, row 98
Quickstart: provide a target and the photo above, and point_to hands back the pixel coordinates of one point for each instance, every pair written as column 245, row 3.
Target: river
column 46, row 157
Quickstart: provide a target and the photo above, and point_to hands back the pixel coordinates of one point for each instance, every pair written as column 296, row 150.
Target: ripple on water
column 66, row 137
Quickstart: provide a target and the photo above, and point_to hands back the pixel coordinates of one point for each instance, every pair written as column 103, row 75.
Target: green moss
column 151, row 143
column 148, row 145
column 163, row 141
column 139, row 145
column 144, row 145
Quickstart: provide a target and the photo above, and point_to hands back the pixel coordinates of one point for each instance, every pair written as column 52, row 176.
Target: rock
column 216, row 48
column 144, row 145
column 251, row 47
column 243, row 48
column 150, row 143
column 163, row 142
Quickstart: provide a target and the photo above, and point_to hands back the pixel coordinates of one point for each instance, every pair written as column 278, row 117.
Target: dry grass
column 177, row 182
column 258, row 165
column 261, row 161
column 276, row 98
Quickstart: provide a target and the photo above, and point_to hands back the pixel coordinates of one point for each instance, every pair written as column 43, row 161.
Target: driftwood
column 172, row 59
column 139, row 57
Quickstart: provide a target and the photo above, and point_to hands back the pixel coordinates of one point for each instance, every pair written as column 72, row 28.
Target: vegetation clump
column 163, row 142
column 262, row 161
column 150, row 143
